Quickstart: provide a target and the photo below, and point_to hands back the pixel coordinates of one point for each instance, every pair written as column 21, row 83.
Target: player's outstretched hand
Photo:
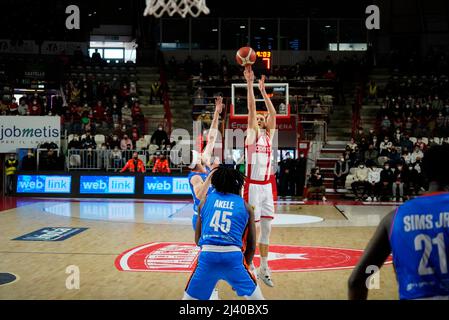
column 219, row 104
column 249, row 74
column 262, row 84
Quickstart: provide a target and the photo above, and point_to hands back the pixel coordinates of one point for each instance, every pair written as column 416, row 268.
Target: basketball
column 245, row 56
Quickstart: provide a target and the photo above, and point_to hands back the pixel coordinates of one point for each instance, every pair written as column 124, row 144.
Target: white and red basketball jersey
column 258, row 159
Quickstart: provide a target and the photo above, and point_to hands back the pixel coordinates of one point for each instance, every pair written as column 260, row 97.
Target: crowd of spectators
column 383, row 166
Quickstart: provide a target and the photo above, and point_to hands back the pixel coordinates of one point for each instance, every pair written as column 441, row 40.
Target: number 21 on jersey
column 220, row 221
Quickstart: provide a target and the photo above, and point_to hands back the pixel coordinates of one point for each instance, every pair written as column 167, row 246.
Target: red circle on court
column 181, row 257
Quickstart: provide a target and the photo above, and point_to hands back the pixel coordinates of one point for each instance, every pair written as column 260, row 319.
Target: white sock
column 264, row 262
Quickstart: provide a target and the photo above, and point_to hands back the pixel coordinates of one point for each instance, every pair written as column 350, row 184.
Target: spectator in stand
column 440, row 125
column 161, row 165
column 99, row 113
column 116, row 113
column 414, row 179
column 199, row 97
column 395, row 156
column 126, row 114
column 35, row 108
column 359, row 136
column 400, row 178
column 159, row 137
column 352, row 145
column 432, row 143
column 405, row 156
column 134, row 138
column 417, row 154
column 371, row 154
column 385, row 147
column 134, row 164
column 386, row 180
column 316, row 185
column 124, row 93
column 118, row 131
column 23, row 108
column 116, row 158
column 373, row 182
column 137, row 116
column 113, row 141
column 13, row 107
column 360, row 182
column 420, row 143
column 385, row 125
column 406, row 143
column 29, row 162
column 75, row 143
column 88, row 141
column 141, row 144
column 341, row 170
column 126, row 143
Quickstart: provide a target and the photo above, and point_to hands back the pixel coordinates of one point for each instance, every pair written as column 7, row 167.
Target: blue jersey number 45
column 220, row 221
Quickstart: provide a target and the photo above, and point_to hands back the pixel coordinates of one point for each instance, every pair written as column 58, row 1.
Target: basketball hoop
column 158, row 8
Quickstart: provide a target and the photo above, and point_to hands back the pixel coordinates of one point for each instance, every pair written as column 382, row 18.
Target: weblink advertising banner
column 43, row 184
column 28, row 131
column 107, row 185
column 166, row 185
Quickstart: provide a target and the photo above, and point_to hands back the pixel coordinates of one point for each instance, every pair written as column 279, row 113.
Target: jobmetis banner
column 28, row 132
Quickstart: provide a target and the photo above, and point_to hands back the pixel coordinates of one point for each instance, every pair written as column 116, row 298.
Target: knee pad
column 265, row 231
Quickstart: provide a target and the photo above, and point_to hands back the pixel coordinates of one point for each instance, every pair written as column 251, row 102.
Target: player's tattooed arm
column 271, row 119
column 252, row 113
column 251, row 237
column 375, row 254
column 213, row 131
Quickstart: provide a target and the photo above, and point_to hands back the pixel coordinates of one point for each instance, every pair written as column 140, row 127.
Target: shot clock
column 266, row 57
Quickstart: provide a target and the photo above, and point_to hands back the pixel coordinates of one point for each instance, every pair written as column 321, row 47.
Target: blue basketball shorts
column 215, row 266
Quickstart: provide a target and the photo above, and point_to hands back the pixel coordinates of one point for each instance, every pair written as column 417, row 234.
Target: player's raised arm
column 271, row 119
column 375, row 254
column 213, row 131
column 252, row 114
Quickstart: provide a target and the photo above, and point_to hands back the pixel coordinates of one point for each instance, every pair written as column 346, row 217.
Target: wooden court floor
column 41, row 266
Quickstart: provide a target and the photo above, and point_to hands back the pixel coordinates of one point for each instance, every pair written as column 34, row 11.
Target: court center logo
column 182, row 257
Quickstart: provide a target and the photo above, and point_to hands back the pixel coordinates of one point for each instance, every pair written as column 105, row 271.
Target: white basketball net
column 158, row 8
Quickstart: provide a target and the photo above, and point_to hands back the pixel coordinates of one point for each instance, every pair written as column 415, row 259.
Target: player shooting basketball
column 258, row 187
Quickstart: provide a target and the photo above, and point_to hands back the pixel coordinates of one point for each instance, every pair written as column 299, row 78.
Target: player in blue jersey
column 202, row 164
column 225, row 231
column 417, row 234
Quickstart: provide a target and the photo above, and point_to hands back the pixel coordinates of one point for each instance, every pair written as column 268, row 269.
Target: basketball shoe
column 265, row 275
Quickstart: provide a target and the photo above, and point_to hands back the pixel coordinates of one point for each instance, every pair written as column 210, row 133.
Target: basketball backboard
column 278, row 92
